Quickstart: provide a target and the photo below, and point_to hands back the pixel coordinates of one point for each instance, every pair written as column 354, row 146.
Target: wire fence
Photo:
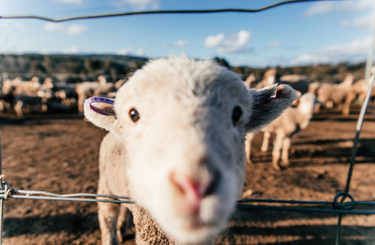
column 338, row 206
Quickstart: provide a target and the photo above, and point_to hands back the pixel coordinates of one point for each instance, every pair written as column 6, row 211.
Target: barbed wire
column 191, row 11
column 345, row 208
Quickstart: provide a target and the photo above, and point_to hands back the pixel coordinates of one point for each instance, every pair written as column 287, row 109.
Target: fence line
column 194, row 11
column 343, row 208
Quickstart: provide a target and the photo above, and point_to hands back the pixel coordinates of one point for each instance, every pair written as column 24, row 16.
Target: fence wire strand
column 191, row 11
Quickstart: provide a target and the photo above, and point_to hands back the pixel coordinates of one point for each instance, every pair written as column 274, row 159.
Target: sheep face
column 182, row 124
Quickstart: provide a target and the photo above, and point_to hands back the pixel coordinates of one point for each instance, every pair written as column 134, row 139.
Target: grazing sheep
column 338, row 95
column 22, row 100
column 285, row 126
column 86, row 89
column 348, row 81
column 120, row 82
column 297, row 82
column 66, row 94
column 6, row 102
column 27, row 87
column 104, row 90
column 250, row 80
column 361, row 87
column 9, row 86
column 48, row 84
column 176, row 147
column 269, row 78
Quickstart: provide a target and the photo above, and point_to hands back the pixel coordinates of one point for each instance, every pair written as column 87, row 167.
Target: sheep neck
column 302, row 119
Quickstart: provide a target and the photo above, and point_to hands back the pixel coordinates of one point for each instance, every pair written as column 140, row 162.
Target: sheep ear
column 100, row 112
column 268, row 103
column 297, row 101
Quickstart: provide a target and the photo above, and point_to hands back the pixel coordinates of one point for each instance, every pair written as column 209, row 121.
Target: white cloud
column 78, row 2
column 213, row 41
column 353, row 51
column 180, row 43
column 71, row 50
column 72, row 30
column 274, row 44
column 75, row 29
column 44, row 51
column 228, row 43
column 138, row 4
column 322, row 7
column 124, row 51
column 363, row 22
column 140, row 52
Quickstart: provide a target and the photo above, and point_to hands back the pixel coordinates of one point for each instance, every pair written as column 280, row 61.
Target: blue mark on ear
column 100, row 100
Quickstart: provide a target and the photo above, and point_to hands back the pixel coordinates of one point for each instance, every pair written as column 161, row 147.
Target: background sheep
column 250, row 80
column 285, row 126
column 86, row 89
column 27, row 87
column 297, row 82
column 176, row 146
column 269, row 78
column 340, row 96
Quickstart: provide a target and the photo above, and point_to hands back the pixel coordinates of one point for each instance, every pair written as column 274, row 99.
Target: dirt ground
column 58, row 153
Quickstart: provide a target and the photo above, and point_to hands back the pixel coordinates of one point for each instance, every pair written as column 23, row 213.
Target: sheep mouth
column 198, row 224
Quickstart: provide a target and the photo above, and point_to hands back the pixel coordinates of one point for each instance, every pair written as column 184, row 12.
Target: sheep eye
column 134, row 115
column 236, row 115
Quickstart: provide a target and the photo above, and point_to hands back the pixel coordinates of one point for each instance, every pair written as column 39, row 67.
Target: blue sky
column 293, row 34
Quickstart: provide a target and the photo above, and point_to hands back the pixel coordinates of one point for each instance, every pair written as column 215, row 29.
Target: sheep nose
column 192, row 191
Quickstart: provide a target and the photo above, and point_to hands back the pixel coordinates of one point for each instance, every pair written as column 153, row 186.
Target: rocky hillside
column 77, row 68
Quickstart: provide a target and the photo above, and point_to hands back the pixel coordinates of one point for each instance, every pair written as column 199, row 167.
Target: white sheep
column 285, row 126
column 339, row 95
column 86, row 89
column 250, row 80
column 26, row 87
column 271, row 76
column 176, row 147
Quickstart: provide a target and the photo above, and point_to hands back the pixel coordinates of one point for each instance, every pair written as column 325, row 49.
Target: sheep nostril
column 191, row 189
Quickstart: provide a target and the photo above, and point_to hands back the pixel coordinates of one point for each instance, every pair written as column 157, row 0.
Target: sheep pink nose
column 192, row 191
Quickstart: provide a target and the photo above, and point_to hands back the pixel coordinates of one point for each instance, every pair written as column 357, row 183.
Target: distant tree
column 221, row 62
column 37, row 68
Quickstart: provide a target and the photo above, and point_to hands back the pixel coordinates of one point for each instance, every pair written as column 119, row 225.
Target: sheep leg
column 18, row 108
column 44, row 108
column 249, row 138
column 108, row 214
column 317, row 107
column 285, row 152
column 266, row 139
column 81, row 100
column 123, row 221
column 348, row 101
column 276, row 151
